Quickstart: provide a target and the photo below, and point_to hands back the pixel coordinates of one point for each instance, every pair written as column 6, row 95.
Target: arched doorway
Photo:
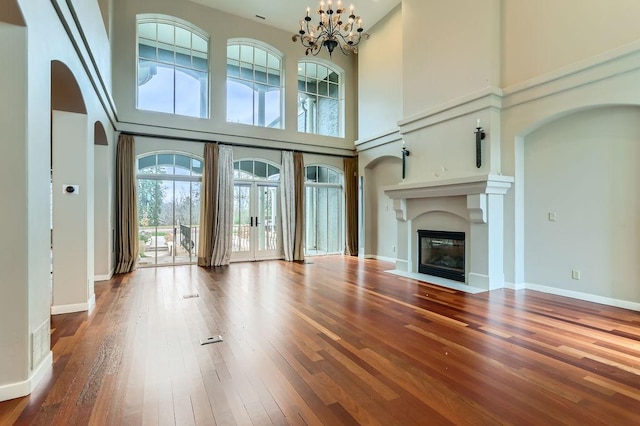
column 72, row 195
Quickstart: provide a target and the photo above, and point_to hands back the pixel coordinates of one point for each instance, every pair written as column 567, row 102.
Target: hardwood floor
column 336, row 341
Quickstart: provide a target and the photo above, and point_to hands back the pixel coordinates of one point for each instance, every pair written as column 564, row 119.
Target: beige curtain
column 208, row 204
column 351, row 206
column 287, row 203
column 223, row 233
column 126, row 206
column 298, row 172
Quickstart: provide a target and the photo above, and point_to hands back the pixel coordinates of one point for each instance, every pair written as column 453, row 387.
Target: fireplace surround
column 476, row 201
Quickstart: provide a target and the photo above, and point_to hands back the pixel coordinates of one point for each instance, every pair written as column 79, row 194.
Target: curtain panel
column 298, row 172
column 208, row 204
column 287, row 203
column 126, row 206
column 223, row 232
column 351, row 206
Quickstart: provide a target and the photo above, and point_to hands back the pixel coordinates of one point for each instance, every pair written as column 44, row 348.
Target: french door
column 256, row 227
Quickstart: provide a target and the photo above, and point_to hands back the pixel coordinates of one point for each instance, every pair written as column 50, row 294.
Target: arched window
column 254, row 84
column 169, row 187
column 324, row 210
column 320, row 99
column 173, row 67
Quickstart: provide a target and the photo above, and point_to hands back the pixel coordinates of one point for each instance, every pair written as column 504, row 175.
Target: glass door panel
column 267, row 226
column 163, row 236
column 168, row 220
column 324, row 214
column 242, row 221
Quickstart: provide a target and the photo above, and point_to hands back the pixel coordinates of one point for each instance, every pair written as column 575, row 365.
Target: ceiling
column 285, row 14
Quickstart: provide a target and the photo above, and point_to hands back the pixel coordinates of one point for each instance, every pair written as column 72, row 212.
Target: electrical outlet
column 575, row 274
column 552, row 216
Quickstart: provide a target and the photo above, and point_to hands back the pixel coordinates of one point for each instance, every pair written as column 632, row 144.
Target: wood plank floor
column 336, row 341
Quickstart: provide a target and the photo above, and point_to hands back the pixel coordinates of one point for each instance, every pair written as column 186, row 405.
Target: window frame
column 258, row 116
column 341, row 215
column 175, row 65
column 330, row 68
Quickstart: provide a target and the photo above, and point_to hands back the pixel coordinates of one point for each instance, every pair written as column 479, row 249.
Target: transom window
column 254, row 85
column 255, row 170
column 173, row 67
column 319, row 99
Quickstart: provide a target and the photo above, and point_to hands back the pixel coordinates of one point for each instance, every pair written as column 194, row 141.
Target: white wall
column 73, row 215
column 380, row 78
column 30, row 290
column 450, row 49
column 584, row 168
column 221, row 26
column 14, row 307
column 545, row 35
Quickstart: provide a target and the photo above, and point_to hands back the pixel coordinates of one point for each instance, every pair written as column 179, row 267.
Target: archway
column 72, row 195
column 380, row 230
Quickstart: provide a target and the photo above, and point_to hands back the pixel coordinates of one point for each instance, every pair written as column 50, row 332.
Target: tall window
column 254, row 85
column 324, row 210
column 319, row 99
column 169, row 186
column 173, row 67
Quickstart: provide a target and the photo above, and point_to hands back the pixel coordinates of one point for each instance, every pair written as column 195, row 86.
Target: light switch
column 552, row 216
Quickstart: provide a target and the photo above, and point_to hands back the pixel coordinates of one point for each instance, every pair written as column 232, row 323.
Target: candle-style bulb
column 478, row 123
column 308, row 10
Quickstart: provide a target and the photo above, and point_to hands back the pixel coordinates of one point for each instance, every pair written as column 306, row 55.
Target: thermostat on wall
column 70, row 189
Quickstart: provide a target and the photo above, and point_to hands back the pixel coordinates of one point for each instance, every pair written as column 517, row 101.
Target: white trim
column 76, row 307
column 378, row 140
column 443, row 282
column 603, row 300
column 106, row 277
column 489, row 97
column 19, row 389
column 382, row 258
column 609, row 64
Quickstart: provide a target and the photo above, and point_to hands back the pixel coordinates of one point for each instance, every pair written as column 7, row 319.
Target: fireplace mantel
column 481, row 184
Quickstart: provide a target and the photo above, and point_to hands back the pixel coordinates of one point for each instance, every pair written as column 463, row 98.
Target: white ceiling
column 285, row 14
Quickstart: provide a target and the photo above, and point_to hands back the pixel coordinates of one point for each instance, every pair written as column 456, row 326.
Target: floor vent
column 209, row 340
column 190, row 296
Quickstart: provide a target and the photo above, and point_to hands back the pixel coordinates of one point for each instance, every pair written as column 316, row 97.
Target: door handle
column 256, row 220
column 252, row 221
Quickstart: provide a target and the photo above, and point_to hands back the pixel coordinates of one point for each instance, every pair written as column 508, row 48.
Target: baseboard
column 106, row 277
column 514, row 286
column 584, row 296
column 77, row 307
column 20, row 389
column 382, row 258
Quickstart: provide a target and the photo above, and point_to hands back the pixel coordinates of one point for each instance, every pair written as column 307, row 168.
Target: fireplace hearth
column 441, row 253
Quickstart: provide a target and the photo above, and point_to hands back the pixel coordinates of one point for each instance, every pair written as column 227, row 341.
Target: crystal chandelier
column 331, row 31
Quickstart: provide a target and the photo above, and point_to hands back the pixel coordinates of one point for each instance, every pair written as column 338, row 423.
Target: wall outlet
column 575, row 274
column 552, row 216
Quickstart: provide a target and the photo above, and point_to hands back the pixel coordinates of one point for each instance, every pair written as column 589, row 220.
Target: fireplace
column 441, row 253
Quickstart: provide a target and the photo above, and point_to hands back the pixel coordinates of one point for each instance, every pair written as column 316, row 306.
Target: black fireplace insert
column 441, row 253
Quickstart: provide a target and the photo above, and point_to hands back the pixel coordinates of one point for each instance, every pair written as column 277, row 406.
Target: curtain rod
column 176, row 138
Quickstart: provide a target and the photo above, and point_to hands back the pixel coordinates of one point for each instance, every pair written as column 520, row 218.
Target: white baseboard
column 104, row 277
column 17, row 390
column 584, row 296
column 382, row 258
column 77, row 307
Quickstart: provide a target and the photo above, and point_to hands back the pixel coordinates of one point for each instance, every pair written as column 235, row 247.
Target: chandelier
column 331, row 31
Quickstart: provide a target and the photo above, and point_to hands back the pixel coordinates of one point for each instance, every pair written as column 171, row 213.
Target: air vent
column 209, row 340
